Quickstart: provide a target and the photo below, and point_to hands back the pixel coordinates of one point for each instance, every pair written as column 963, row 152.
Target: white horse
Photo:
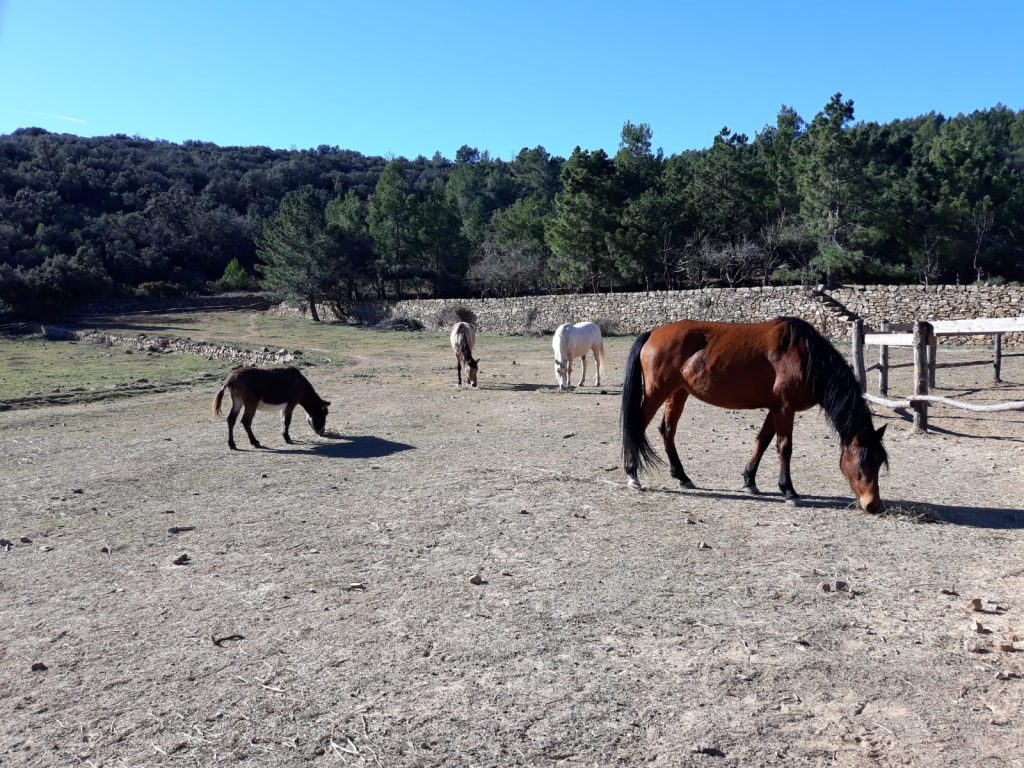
column 463, row 340
column 572, row 341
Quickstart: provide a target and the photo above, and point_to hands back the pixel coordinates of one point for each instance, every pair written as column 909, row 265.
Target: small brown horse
column 783, row 365
column 276, row 389
column 463, row 339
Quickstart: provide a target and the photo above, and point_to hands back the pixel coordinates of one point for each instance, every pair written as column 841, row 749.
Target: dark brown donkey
column 276, row 389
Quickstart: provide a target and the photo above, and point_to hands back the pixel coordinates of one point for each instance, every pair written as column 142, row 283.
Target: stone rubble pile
column 168, row 344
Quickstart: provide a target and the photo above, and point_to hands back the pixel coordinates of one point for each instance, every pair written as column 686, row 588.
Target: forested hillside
column 925, row 199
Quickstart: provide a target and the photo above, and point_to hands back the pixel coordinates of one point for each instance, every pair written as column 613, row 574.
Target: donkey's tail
column 637, row 452
column 217, row 400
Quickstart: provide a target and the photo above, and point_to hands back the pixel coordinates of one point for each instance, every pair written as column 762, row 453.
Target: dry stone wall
column 907, row 303
column 627, row 313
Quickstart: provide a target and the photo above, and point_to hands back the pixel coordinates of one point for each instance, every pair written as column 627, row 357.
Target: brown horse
column 463, row 339
column 783, row 365
column 276, row 389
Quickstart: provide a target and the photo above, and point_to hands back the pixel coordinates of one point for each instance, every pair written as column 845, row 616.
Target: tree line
column 925, row 199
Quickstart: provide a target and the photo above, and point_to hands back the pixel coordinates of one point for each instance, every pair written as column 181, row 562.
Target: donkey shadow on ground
column 347, row 447
column 995, row 518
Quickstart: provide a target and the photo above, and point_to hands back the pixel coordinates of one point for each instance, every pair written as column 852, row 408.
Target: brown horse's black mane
column 833, row 385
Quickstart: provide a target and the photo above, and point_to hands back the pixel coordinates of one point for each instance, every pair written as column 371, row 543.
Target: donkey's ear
column 880, row 431
column 325, row 403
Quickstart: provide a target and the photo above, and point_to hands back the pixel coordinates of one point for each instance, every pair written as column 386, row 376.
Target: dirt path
column 326, row 612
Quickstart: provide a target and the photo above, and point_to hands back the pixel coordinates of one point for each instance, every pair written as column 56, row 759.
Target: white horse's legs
column 583, row 376
column 599, row 360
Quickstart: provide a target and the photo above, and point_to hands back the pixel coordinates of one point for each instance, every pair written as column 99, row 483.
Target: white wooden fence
column 923, row 337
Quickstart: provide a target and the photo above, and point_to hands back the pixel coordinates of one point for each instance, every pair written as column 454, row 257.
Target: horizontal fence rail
column 923, row 337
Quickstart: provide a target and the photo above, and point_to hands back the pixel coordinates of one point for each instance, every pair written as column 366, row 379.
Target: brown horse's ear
column 325, row 403
column 880, row 431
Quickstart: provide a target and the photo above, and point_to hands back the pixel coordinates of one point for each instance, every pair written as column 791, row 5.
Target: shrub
column 399, row 324
column 450, row 315
column 161, row 288
column 235, row 278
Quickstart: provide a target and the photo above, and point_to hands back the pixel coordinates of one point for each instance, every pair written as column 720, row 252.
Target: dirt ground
column 326, row 613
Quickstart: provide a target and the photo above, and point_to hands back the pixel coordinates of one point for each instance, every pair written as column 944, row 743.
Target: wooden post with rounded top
column 923, row 334
column 857, row 332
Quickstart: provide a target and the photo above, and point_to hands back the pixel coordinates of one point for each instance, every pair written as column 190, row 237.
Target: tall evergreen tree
column 294, row 249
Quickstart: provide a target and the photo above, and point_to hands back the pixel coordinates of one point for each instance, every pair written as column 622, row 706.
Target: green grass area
column 31, row 366
column 323, row 341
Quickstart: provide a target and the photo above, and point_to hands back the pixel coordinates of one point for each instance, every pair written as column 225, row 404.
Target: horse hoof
column 632, row 482
column 688, row 484
column 232, row 446
column 752, row 490
column 793, row 501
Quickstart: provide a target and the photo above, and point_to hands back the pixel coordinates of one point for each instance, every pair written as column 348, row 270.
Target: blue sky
column 405, row 78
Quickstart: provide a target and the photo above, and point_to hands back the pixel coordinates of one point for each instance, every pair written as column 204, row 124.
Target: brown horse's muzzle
column 870, row 503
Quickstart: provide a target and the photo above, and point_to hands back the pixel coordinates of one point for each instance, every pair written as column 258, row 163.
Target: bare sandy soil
column 326, row 613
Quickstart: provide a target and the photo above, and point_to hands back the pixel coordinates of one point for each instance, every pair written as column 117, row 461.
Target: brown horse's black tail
column 637, row 452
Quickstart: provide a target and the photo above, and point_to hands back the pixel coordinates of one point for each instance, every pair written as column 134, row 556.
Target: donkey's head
column 471, row 375
column 317, row 416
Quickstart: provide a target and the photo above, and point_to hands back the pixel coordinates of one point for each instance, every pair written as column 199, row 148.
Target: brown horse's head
column 317, row 417
column 471, row 375
column 861, row 460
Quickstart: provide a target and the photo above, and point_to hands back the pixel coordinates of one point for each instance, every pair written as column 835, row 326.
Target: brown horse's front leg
column 247, row 417
column 286, row 421
column 669, row 420
column 761, row 443
column 784, row 446
column 458, row 370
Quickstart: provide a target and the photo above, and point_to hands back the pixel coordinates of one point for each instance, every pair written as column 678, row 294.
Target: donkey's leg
column 232, row 417
column 761, row 443
column 458, row 369
column 669, row 420
column 583, row 376
column 286, row 421
column 247, row 416
column 784, row 445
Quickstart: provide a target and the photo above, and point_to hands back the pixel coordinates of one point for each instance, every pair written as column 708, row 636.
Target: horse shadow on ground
column 995, row 518
column 348, row 447
column 502, row 387
column 585, row 390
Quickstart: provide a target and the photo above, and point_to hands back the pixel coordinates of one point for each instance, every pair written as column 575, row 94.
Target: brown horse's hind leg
column 247, row 416
column 669, row 420
column 784, row 446
column 761, row 443
column 458, row 369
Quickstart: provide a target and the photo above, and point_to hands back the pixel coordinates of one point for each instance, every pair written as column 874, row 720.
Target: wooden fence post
column 998, row 361
column 883, row 363
column 933, row 350
column 857, row 331
column 922, row 339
